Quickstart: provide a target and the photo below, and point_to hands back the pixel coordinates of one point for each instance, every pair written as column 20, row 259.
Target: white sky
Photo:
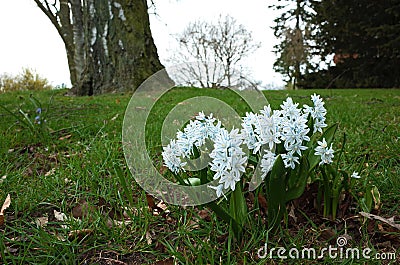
column 28, row 39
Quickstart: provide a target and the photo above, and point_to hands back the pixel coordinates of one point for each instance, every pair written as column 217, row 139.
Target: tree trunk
column 109, row 43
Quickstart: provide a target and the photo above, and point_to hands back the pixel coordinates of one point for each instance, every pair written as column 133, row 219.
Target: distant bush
column 27, row 80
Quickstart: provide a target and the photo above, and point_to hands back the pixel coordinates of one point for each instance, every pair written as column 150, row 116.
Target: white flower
column 267, row 134
column 194, row 134
column 201, row 116
column 247, row 131
column 297, row 148
column 322, row 145
column 267, row 162
column 171, row 155
column 260, row 132
column 290, row 109
column 218, row 189
column 325, row 152
column 289, row 160
column 318, row 112
column 229, row 180
column 355, row 175
column 260, row 129
column 228, row 159
column 319, row 124
column 294, row 131
column 266, row 111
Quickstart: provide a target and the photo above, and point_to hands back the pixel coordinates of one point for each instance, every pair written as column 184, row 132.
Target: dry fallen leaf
column 3, row 178
column 50, row 173
column 150, row 201
column 204, row 214
column 148, row 238
column 169, row 261
column 162, row 206
column 6, row 204
column 41, row 221
column 115, row 117
column 65, row 137
column 79, row 234
column 122, row 223
column 292, row 213
column 262, row 202
column 389, row 221
column 83, row 209
column 60, row 216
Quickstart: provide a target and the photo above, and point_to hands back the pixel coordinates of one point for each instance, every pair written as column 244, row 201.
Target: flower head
column 267, row 162
column 355, row 175
column 219, row 189
column 228, row 159
column 325, row 152
column 171, row 155
column 289, row 160
column 318, row 113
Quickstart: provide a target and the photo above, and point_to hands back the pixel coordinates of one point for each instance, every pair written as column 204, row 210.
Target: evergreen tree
column 364, row 37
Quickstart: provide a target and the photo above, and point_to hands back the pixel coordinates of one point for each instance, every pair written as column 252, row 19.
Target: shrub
column 29, row 79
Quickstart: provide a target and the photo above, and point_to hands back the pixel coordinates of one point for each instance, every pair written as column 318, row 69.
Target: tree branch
column 45, row 7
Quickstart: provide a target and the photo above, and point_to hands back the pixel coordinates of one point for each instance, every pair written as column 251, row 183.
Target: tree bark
column 108, row 43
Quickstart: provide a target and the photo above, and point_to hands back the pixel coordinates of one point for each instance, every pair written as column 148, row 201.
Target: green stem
column 327, row 193
column 224, row 215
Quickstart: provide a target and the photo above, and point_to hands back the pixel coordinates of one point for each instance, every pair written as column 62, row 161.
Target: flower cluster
column 262, row 133
column 288, row 125
column 317, row 112
column 325, row 152
column 194, row 134
column 229, row 160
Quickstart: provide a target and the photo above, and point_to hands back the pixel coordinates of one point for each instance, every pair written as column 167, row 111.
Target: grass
column 78, row 167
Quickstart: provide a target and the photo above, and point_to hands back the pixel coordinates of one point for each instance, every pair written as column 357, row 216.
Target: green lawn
column 76, row 166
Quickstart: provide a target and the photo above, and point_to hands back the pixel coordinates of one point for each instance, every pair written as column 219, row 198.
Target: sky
column 28, row 39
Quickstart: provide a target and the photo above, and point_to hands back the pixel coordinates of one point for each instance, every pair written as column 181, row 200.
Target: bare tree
column 211, row 52
column 108, row 43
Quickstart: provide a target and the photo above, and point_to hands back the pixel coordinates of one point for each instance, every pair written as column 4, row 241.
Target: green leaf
column 276, row 190
column 35, row 101
column 299, row 180
column 203, row 176
column 368, row 199
column 224, row 215
column 179, row 178
column 329, row 133
column 253, row 160
column 18, row 118
column 27, row 119
column 124, row 184
column 237, row 205
column 327, row 187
